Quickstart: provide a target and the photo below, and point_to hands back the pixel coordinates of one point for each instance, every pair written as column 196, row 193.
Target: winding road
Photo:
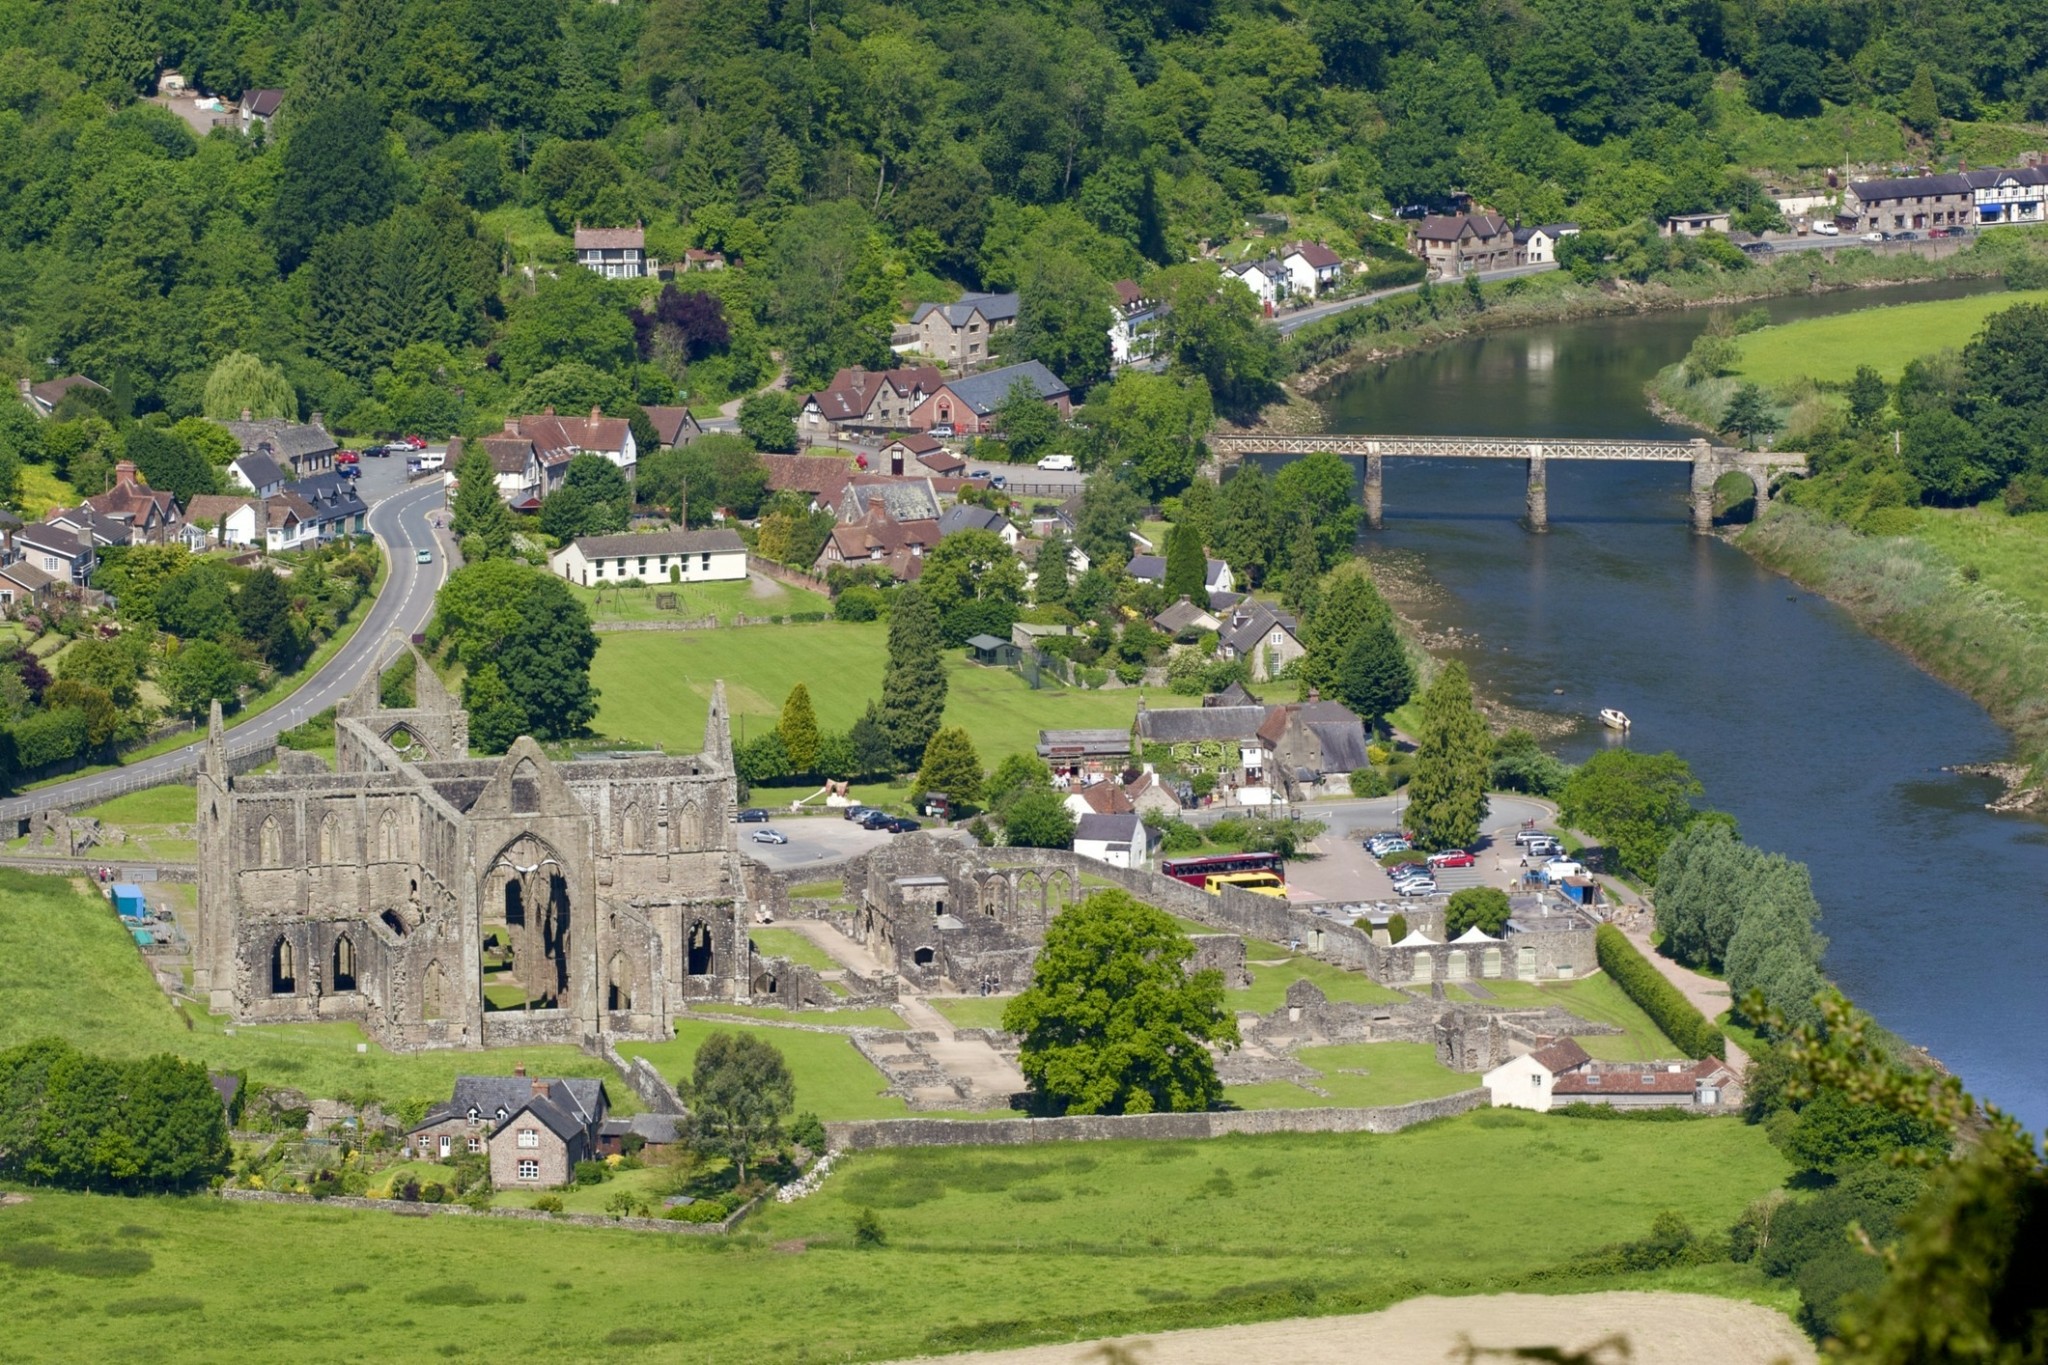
column 402, row 522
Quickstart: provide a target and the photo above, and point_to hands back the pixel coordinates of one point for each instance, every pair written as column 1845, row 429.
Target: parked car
column 770, row 836
column 1905, row 236
column 347, row 456
column 1420, row 887
column 999, row 483
column 416, row 441
column 1758, row 248
column 1530, row 836
column 350, row 471
column 876, row 819
column 901, row 824
column 753, row 815
column 1456, row 857
column 377, row 452
column 1062, row 464
column 857, row 812
column 1385, row 844
column 1413, row 879
column 1876, row 237
column 942, row 430
column 1543, row 848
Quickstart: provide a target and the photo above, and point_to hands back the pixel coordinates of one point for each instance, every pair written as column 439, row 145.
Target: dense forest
column 388, row 244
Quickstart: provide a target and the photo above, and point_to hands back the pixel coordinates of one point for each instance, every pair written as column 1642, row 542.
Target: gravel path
column 1661, row 1329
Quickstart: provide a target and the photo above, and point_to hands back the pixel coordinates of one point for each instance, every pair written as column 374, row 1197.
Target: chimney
column 23, row 386
column 320, row 420
column 540, row 1087
column 548, row 411
column 511, row 426
column 247, row 415
column 1315, row 694
column 124, row 472
column 596, row 413
column 519, row 1070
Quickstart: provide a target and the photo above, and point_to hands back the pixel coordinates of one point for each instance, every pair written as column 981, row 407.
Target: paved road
column 401, row 519
column 1295, row 321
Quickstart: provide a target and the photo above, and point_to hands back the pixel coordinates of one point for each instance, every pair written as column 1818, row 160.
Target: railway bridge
column 1709, row 462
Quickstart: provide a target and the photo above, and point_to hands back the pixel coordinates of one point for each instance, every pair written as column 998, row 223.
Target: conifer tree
column 914, row 685
column 1347, row 605
column 951, row 766
column 1187, row 567
column 1375, row 676
column 1447, row 796
column 799, row 730
column 478, row 516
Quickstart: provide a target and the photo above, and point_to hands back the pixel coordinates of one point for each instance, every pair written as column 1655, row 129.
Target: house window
column 704, row 561
column 529, row 1137
column 476, row 1144
column 529, row 1169
column 1536, row 1081
column 426, row 1144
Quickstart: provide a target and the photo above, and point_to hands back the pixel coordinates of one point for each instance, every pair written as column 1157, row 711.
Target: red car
column 416, row 441
column 346, row 457
column 1457, row 857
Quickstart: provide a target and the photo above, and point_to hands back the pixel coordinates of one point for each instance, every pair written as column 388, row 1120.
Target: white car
column 1827, row 229
column 1873, row 237
column 1062, row 464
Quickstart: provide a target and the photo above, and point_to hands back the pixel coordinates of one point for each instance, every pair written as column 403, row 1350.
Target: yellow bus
column 1258, row 883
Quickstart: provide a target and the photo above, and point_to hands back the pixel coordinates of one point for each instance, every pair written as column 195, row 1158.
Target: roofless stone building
column 443, row 901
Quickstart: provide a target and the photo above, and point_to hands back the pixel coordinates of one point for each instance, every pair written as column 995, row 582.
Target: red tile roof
column 1315, row 253
column 1644, row 1078
column 1560, row 1056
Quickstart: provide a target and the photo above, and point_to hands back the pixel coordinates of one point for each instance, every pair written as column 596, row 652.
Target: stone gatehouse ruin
column 448, row 902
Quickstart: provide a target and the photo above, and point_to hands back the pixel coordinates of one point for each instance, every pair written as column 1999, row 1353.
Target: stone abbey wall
column 592, row 898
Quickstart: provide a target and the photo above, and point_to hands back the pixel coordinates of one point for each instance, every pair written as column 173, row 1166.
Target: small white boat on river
column 1613, row 719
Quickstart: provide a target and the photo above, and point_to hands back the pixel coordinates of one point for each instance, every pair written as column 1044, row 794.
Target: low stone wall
column 412, row 1210
column 680, row 623
column 641, row 1077
column 86, row 865
column 874, row 1134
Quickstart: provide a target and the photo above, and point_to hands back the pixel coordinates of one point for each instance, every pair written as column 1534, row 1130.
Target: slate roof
column 670, row 424
column 1184, row 615
column 984, row 392
column 611, row 239
column 580, row 1097
column 262, row 103
column 943, row 462
column 26, row 576
column 718, row 541
column 1560, row 1056
column 1237, row 694
column 1081, row 743
column 899, row 499
column 1343, row 744
column 1109, row 829
column 1152, row 569
column 52, row 540
column 260, row 469
column 330, row 496
column 656, row 1129
column 1316, row 254
column 965, row 516
column 51, row 392
column 993, row 308
column 1449, row 227
column 1243, row 633
column 288, row 441
column 985, row 643
column 852, row 391
column 1181, row 724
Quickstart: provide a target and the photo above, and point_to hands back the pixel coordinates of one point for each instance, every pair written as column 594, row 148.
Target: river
column 1825, row 743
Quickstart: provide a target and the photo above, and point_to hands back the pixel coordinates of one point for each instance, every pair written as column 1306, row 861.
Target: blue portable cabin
column 128, row 900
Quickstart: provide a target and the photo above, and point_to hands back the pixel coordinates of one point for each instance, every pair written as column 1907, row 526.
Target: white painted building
column 652, row 557
column 1528, row 1081
column 1119, row 840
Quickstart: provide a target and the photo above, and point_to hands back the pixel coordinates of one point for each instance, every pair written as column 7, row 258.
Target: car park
column 1539, row 848
column 856, row 812
column 1530, row 836
column 1380, row 848
column 377, row 452
column 1456, row 857
column 753, row 815
column 770, row 836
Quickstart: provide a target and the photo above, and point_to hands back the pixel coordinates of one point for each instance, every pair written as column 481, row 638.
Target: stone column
column 1705, row 469
column 1375, row 478
column 1539, row 491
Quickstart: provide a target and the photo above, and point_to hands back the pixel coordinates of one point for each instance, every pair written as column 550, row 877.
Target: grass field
column 875, row 1017
column 971, row 1011
column 832, row 1080
column 754, row 596
column 1268, row 990
column 984, row 1247
column 1830, row 349
column 1360, row 1075
column 1596, row 998
column 2007, row 553
column 656, row 686
column 794, row 946
column 42, row 492
column 68, row 968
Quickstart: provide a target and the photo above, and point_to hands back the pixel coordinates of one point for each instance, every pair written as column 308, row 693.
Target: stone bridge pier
column 1761, row 468
column 1539, row 491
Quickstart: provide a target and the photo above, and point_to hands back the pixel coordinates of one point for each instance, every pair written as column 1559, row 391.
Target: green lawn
column 1596, row 998
column 1830, row 349
column 971, row 1011
column 1360, row 1075
column 68, row 968
column 818, row 891
column 173, row 804
column 832, row 1080
column 754, row 596
column 876, row 1017
column 1268, row 990
column 794, row 946
column 656, row 686
column 985, row 1247
column 42, row 492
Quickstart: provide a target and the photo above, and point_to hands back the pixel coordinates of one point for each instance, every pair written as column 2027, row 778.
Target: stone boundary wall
column 876, row 1134
column 643, row 1080
column 123, row 872
column 405, row 1209
column 680, row 623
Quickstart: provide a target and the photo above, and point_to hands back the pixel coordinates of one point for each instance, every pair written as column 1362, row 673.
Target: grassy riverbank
column 1981, row 638
column 1322, row 351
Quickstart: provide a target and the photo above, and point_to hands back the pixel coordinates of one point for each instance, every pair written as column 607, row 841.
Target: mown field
column 656, row 686
column 756, row 596
column 984, row 1246
column 68, row 968
column 1829, row 349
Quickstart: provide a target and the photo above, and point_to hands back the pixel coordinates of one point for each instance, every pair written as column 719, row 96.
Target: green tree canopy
column 1158, row 424
column 914, row 683
column 1063, row 319
column 1112, row 1023
column 739, row 1093
column 478, row 516
column 1187, row 565
column 200, row 674
column 951, row 766
column 799, row 729
column 768, row 419
column 1634, row 803
column 1447, row 795
column 242, row 383
column 1482, row 907
column 1375, row 677
column 1039, row 819
column 336, row 171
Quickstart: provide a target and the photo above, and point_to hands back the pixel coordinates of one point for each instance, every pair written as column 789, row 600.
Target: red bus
column 1197, row 871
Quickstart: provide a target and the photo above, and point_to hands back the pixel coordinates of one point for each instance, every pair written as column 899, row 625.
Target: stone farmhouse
column 296, row 448
column 1265, row 638
column 859, row 402
column 1958, row 199
column 441, row 901
column 151, row 516
column 1456, row 244
column 968, row 406
column 957, row 334
column 534, row 1130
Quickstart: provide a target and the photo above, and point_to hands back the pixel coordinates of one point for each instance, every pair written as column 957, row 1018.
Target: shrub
column 806, row 1130
column 549, row 1203
column 703, row 1211
column 867, row 1229
column 1397, row 928
column 1370, row 782
column 1641, row 982
column 591, row 1172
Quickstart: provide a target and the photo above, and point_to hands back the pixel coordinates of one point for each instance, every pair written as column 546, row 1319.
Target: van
column 432, row 459
column 1062, row 464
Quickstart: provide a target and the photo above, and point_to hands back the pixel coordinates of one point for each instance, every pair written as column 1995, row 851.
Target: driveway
column 401, row 519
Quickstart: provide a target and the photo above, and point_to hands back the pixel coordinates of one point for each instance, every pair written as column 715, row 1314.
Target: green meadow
column 656, row 686
column 983, row 1247
column 1829, row 349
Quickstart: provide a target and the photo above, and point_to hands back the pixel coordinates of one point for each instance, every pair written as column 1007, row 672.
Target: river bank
column 1326, row 352
column 1911, row 595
